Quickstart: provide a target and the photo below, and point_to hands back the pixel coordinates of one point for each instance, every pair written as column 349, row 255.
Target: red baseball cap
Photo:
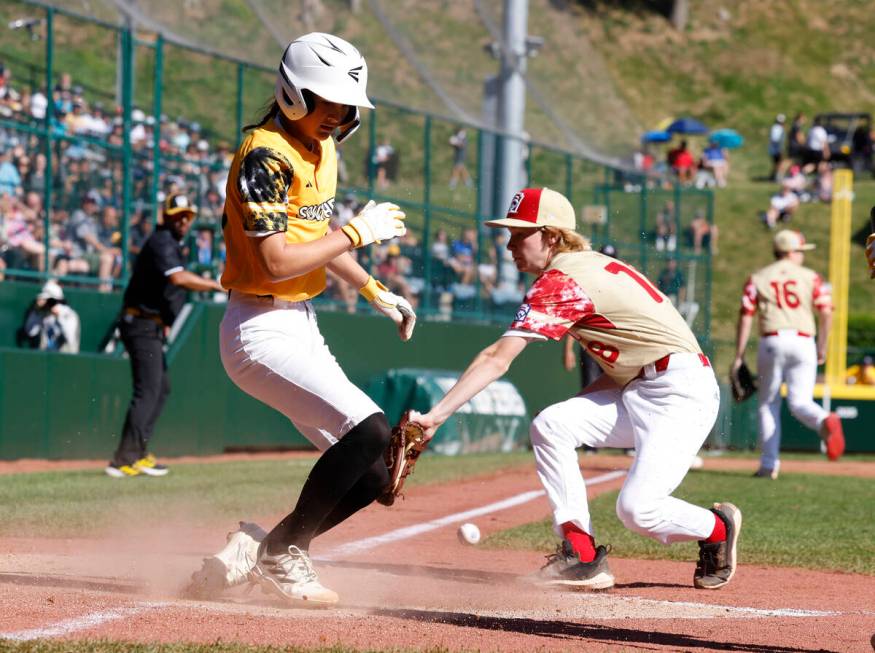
column 537, row 207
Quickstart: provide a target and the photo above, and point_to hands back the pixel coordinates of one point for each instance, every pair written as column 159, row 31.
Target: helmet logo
column 355, row 72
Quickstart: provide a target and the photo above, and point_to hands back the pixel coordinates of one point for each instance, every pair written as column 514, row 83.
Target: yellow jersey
column 275, row 185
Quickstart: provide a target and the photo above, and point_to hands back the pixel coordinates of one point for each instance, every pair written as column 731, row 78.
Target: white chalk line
column 84, row 622
column 758, row 612
column 358, row 546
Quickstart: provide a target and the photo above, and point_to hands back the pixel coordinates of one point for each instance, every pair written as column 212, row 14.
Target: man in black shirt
column 153, row 299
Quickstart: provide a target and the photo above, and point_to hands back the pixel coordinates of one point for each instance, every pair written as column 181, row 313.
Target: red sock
column 719, row 532
column 582, row 543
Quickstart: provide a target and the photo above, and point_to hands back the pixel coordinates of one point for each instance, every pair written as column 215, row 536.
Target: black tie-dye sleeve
column 264, row 179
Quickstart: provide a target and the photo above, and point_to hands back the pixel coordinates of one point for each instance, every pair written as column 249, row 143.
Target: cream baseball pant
column 665, row 416
column 792, row 359
column 273, row 350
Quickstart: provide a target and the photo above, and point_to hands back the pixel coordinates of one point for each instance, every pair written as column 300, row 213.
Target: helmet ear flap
column 309, row 100
column 290, row 99
column 350, row 125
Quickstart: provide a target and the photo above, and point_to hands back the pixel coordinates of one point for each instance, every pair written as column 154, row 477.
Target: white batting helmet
column 327, row 66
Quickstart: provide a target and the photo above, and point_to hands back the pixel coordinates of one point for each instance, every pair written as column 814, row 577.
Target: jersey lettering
column 791, row 299
column 607, row 353
column 317, row 212
column 616, row 267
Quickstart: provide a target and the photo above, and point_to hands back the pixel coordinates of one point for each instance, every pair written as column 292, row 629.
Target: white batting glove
column 393, row 306
column 375, row 223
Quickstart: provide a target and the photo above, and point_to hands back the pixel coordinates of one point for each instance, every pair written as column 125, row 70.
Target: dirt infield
column 406, row 582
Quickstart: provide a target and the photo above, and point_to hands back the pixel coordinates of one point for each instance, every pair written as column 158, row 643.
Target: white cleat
column 231, row 566
column 291, row 576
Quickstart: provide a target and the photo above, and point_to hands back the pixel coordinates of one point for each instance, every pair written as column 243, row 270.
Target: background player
column 153, row 299
column 786, row 294
column 280, row 197
column 658, row 394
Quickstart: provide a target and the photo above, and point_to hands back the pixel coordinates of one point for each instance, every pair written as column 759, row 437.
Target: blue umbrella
column 655, row 136
column 687, row 126
column 728, row 138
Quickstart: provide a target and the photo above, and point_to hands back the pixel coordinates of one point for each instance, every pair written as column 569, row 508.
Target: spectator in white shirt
column 818, row 147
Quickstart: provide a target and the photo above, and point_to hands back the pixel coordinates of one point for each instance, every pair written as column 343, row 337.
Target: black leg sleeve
column 362, row 494
column 333, row 476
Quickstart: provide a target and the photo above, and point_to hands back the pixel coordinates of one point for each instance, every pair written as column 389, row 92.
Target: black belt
column 137, row 312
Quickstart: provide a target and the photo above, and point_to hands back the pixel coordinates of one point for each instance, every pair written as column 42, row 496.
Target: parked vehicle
column 850, row 140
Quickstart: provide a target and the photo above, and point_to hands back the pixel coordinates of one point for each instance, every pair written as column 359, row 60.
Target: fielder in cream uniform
column 785, row 295
column 658, row 395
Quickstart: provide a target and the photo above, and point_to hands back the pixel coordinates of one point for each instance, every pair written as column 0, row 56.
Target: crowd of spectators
column 455, row 277
column 85, row 243
column 709, row 170
column 85, row 238
column 801, row 166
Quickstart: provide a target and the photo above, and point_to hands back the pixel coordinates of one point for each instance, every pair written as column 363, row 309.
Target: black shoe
column 565, row 568
column 717, row 560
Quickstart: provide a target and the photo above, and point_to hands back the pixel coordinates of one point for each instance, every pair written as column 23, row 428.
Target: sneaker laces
column 708, row 552
column 294, row 566
column 560, row 552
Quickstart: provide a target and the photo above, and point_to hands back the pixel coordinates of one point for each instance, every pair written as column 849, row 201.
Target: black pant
column 144, row 340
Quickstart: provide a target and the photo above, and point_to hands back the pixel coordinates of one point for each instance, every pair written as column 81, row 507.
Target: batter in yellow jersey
column 279, row 201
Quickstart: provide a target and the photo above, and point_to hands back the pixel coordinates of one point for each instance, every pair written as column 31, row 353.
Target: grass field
column 70, row 503
column 804, row 521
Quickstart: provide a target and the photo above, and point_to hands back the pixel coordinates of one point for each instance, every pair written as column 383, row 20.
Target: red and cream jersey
column 616, row 313
column 785, row 295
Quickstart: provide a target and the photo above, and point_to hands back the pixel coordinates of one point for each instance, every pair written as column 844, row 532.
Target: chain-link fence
column 98, row 122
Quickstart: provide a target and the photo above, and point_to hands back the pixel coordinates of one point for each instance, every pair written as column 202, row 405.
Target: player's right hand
column 375, row 223
column 426, row 421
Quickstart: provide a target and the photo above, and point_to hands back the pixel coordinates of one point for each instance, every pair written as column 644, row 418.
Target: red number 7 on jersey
column 615, row 267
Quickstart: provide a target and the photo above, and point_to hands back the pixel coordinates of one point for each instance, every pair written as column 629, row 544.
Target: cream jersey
column 785, row 294
column 614, row 311
column 276, row 185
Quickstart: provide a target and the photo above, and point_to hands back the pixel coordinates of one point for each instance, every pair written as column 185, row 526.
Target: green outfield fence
column 129, row 72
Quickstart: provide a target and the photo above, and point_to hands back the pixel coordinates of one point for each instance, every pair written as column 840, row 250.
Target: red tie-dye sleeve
column 553, row 304
column 749, row 298
column 822, row 294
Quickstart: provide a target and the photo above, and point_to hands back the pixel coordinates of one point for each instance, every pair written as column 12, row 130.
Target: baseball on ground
column 468, row 533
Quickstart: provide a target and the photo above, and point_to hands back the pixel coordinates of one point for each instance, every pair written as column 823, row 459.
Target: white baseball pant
column 792, row 359
column 273, row 350
column 665, row 416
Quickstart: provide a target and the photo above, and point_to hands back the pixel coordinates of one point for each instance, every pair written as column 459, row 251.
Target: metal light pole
column 506, row 97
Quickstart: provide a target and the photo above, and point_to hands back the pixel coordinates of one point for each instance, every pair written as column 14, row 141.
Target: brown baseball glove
column 407, row 442
column 743, row 383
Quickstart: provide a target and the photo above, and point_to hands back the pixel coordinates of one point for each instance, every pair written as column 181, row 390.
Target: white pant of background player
column 665, row 416
column 273, row 350
column 791, row 358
